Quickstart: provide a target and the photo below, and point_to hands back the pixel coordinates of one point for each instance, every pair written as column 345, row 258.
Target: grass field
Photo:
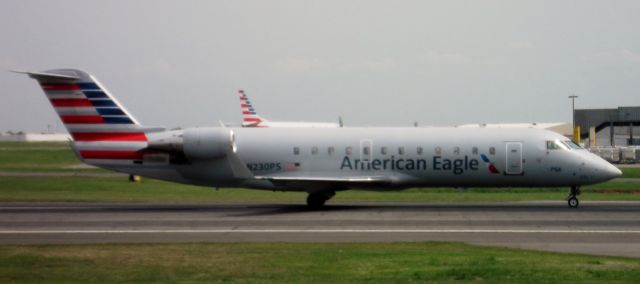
column 305, row 263
column 57, row 157
column 40, row 157
column 630, row 172
column 118, row 189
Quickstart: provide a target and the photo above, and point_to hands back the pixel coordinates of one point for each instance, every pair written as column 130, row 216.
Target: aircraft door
column 366, row 149
column 514, row 158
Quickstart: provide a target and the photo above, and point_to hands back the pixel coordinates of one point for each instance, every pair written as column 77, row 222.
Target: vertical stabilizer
column 102, row 129
column 249, row 116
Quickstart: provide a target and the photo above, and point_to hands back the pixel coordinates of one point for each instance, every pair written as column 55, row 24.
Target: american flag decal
column 292, row 166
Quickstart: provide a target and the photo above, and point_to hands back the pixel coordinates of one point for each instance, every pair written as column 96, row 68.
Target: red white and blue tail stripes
column 249, row 116
column 84, row 103
column 102, row 130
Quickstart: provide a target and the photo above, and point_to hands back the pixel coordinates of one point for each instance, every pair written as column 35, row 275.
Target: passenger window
column 492, row 150
column 419, row 150
column 330, row 150
column 365, row 150
column 400, row 150
column 383, row 150
column 296, row 150
column 348, row 150
column 456, row 150
column 474, row 150
column 438, row 151
column 314, row 150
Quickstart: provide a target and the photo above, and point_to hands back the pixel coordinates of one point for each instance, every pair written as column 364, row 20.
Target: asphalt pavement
column 596, row 227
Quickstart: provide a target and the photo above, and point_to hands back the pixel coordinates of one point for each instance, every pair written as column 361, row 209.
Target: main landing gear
column 316, row 200
column 572, row 200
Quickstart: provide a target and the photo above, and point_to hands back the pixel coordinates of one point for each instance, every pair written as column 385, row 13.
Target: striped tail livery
column 103, row 131
column 249, row 116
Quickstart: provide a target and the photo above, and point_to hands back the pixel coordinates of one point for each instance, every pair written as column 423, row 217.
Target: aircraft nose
column 614, row 171
column 608, row 171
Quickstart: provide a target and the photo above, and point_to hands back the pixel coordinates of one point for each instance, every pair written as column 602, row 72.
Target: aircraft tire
column 573, row 202
column 316, row 200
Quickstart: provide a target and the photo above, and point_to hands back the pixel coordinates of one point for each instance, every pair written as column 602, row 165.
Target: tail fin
column 102, row 129
column 249, row 116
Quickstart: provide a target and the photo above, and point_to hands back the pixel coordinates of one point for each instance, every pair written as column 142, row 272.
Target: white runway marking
column 250, row 231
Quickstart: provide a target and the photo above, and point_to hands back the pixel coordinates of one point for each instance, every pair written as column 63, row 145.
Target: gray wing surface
column 327, row 182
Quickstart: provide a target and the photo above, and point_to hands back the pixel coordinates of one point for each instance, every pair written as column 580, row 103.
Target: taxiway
column 603, row 228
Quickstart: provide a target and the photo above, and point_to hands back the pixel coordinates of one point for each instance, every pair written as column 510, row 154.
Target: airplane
column 318, row 161
column 251, row 119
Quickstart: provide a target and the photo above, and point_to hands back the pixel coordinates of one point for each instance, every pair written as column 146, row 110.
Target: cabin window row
column 366, row 150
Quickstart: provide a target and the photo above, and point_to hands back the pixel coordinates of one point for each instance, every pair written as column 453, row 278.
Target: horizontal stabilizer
column 44, row 76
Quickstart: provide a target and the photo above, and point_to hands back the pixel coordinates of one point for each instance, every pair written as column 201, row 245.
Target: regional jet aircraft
column 319, row 161
column 251, row 119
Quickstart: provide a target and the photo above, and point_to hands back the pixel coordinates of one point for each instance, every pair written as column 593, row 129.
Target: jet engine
column 207, row 143
column 196, row 143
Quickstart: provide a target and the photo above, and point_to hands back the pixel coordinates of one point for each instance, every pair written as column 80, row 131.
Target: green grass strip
column 118, row 189
column 306, row 263
column 630, row 172
column 40, row 157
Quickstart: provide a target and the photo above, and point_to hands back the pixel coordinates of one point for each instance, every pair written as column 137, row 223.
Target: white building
column 34, row 137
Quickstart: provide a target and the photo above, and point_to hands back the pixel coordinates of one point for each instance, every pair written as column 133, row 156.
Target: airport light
column 573, row 110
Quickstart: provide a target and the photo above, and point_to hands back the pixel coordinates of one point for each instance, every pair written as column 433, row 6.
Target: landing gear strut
column 317, row 199
column 572, row 200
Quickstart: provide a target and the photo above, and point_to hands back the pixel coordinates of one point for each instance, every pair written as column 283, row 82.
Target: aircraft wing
column 328, row 182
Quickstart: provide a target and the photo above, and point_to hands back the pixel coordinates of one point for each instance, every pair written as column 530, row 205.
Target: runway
column 603, row 228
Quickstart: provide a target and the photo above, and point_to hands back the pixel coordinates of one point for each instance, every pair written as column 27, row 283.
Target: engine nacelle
column 207, row 143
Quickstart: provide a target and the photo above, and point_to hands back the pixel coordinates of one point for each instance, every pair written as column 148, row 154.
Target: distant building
column 34, row 137
column 609, row 127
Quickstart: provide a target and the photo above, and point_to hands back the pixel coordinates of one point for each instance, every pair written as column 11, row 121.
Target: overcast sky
column 372, row 62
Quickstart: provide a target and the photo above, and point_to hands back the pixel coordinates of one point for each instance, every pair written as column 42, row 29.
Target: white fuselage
column 428, row 157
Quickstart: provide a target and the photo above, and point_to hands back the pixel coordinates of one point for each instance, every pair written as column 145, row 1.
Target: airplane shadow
column 240, row 210
column 547, row 207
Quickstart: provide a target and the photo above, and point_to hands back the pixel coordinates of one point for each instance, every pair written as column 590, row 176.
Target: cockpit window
column 556, row 145
column 572, row 144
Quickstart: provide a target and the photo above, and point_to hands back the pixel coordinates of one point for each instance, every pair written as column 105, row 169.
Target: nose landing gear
column 572, row 200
